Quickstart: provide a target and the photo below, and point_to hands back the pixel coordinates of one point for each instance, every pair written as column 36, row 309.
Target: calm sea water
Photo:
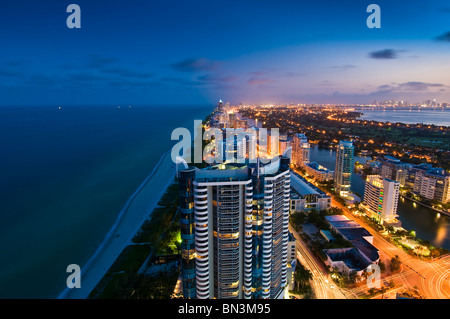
column 65, row 175
column 424, row 221
column 436, row 116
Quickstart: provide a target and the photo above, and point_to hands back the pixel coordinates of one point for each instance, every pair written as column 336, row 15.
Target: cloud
column 444, row 37
column 97, row 62
column 196, row 65
column 10, row 69
column 294, row 74
column 344, row 66
column 87, row 77
column 127, row 73
column 258, row 81
column 419, row 86
column 7, row 72
column 257, row 73
column 412, row 86
column 180, row 82
column 384, row 54
column 217, row 78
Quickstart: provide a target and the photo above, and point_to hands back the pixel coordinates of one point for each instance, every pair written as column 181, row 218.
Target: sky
column 196, row 52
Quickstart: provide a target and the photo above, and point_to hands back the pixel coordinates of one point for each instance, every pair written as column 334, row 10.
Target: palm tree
column 353, row 277
column 302, row 276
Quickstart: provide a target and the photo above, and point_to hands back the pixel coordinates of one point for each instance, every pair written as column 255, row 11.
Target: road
column 323, row 286
column 431, row 278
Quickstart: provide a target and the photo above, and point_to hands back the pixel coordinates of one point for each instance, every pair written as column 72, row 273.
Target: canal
column 427, row 223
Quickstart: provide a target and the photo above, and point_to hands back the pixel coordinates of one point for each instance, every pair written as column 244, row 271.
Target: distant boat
column 59, row 108
column 118, row 107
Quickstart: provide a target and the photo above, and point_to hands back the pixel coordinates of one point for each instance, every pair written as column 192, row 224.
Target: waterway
column 436, row 116
column 427, row 223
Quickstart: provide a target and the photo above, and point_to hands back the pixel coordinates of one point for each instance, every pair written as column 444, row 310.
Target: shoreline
column 135, row 212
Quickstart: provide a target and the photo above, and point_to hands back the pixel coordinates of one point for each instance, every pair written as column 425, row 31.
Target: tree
column 353, row 277
column 298, row 218
column 395, row 264
column 302, row 276
column 391, row 284
column 382, row 266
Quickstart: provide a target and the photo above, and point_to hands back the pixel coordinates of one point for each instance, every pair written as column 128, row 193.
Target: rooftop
column 327, row 234
column 344, row 224
column 318, row 167
column 302, row 186
column 392, row 159
column 354, row 233
column 351, row 257
column 367, row 249
column 331, row 218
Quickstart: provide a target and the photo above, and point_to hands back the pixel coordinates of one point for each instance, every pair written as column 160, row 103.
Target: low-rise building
column 318, row 172
column 305, row 196
column 356, row 258
column 346, row 260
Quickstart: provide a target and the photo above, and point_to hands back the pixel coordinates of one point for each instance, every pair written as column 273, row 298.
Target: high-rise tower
column 234, row 229
column 344, row 168
column 300, row 149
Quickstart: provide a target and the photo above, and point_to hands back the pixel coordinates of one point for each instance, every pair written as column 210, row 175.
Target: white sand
column 135, row 212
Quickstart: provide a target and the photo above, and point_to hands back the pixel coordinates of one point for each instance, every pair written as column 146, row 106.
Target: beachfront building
column 381, row 199
column 318, row 172
column 306, row 197
column 237, row 145
column 300, row 150
column 234, row 229
column 344, row 168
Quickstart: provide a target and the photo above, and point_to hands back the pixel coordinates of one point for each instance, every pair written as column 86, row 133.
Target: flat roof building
column 318, row 172
column 305, row 196
column 357, row 258
column 381, row 199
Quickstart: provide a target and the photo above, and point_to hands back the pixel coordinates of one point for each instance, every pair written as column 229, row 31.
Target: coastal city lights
column 225, row 158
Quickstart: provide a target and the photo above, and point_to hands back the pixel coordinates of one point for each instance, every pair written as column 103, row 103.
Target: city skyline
column 195, row 53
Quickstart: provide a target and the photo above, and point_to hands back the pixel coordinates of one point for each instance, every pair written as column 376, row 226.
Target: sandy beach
column 132, row 216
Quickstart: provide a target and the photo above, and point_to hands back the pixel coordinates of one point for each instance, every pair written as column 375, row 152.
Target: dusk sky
column 197, row 52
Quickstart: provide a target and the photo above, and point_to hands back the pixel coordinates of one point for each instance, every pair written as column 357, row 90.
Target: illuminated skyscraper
column 234, row 230
column 344, row 168
column 300, row 149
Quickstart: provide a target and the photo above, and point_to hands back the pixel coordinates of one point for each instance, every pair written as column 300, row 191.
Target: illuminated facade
column 234, row 230
column 394, row 169
column 381, row 198
column 300, row 149
column 433, row 184
column 344, row 168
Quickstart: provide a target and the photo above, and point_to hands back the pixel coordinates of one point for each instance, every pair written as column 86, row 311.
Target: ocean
column 436, row 116
column 65, row 176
